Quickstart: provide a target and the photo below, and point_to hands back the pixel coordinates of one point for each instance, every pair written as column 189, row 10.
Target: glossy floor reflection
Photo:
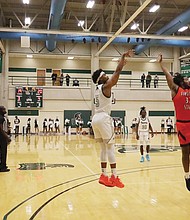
column 59, row 180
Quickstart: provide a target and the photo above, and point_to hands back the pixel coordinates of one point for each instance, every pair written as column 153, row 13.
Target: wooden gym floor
column 56, row 178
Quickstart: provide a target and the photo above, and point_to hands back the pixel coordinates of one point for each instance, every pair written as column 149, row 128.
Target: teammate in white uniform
column 102, row 122
column 142, row 133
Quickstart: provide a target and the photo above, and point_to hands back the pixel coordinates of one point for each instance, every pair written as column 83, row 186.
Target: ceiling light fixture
column 26, row 2
column 115, row 59
column 81, row 23
column 90, row 4
column 70, row 58
column 152, row 61
column 183, row 28
column 27, row 21
column 134, row 26
column 154, row 8
column 29, row 56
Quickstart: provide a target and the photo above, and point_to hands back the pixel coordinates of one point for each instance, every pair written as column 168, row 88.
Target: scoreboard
column 28, row 97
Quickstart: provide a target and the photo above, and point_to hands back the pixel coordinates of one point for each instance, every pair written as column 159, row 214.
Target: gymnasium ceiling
column 108, row 18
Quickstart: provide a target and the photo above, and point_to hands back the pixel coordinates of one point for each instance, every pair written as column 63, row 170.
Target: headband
column 101, row 74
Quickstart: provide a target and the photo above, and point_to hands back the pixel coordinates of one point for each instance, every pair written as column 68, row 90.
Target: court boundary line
column 133, row 170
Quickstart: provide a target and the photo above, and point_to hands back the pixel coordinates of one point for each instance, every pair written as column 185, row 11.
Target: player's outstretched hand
column 129, row 53
column 159, row 58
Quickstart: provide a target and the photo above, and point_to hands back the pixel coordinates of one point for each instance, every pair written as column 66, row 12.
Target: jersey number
column 96, row 101
column 144, row 127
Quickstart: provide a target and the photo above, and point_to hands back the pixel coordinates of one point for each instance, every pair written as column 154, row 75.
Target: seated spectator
column 75, row 82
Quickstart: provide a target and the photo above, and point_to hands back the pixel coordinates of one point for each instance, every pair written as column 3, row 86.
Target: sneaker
column 188, row 183
column 142, row 159
column 116, row 181
column 4, row 170
column 104, row 180
column 147, row 157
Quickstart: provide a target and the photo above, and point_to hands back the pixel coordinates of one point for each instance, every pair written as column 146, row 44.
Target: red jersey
column 182, row 104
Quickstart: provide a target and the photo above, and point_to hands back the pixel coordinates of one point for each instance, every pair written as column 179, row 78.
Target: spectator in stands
column 54, row 78
column 67, row 79
column 148, row 80
column 156, row 81
column 142, row 79
column 75, row 82
column 61, row 79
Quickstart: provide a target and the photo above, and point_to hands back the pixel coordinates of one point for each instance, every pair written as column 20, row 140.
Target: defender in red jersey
column 180, row 92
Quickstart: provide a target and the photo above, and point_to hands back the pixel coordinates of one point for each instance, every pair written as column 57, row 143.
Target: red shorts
column 183, row 132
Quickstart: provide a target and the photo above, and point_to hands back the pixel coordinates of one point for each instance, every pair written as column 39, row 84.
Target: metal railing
column 83, row 82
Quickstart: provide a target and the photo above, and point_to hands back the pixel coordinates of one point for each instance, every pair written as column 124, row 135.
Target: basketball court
column 56, row 177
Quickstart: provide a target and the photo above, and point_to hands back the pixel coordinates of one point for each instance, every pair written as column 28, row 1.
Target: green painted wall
column 85, row 114
column 161, row 113
column 23, row 112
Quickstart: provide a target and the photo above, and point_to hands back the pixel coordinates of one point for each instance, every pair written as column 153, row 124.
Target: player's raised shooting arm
column 115, row 76
column 168, row 76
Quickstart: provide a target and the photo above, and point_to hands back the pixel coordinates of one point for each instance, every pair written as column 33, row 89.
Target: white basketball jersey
column 143, row 124
column 102, row 103
column 5, row 126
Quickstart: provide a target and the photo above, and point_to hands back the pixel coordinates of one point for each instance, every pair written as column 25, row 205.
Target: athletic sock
column 187, row 176
column 104, row 171
column 113, row 170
